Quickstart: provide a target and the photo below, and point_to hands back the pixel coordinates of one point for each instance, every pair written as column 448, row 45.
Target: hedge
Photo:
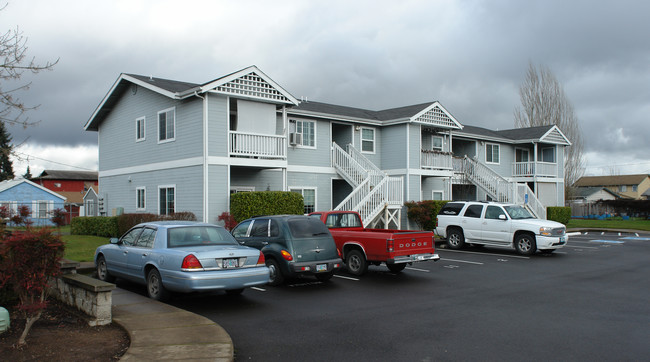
column 115, row 226
column 244, row 205
column 559, row 213
column 424, row 213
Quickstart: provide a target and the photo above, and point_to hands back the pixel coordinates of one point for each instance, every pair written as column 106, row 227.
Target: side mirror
column 115, row 241
column 502, row 217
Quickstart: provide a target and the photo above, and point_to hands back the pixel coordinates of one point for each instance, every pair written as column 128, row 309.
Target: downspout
column 205, row 156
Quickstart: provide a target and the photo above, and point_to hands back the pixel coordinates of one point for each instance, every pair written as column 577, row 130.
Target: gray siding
column 393, row 148
column 218, row 125
column 321, row 182
column 318, row 157
column 117, row 138
column 219, row 193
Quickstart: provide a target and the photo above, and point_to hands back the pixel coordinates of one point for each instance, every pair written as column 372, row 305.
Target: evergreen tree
column 6, row 168
column 28, row 174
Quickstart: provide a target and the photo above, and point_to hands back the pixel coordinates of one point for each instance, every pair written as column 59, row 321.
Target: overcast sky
column 469, row 55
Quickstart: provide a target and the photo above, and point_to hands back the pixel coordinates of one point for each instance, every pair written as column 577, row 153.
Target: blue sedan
column 181, row 256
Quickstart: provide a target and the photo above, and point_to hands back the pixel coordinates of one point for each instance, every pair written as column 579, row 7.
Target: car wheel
column 356, row 263
column 102, row 271
column 525, row 244
column 155, row 288
column 396, row 268
column 276, row 277
column 323, row 277
column 235, row 291
column 455, row 239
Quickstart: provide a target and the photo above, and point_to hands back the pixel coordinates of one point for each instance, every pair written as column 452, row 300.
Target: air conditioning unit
column 295, row 139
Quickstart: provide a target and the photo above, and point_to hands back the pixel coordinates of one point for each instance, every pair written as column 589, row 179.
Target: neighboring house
column 167, row 146
column 627, row 186
column 41, row 201
column 72, row 184
column 595, row 193
column 91, row 203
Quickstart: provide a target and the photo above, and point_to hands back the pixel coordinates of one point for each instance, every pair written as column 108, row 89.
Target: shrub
column 248, row 204
column 95, row 225
column 559, row 214
column 28, row 260
column 229, row 222
column 424, row 213
column 21, row 218
column 58, row 217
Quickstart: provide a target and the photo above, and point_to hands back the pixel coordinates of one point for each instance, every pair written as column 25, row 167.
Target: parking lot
column 587, row 301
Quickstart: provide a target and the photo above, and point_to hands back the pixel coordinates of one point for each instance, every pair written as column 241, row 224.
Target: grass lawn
column 614, row 223
column 82, row 247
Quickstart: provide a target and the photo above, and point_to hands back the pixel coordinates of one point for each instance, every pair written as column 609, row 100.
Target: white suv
column 496, row 224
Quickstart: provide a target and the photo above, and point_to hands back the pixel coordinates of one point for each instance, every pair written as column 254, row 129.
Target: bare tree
column 13, row 64
column 543, row 102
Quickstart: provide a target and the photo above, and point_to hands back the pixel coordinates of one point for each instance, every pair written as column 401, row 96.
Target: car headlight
column 545, row 230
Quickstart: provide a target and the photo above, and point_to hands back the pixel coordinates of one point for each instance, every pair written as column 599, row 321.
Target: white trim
column 302, row 189
column 242, row 188
column 442, row 192
column 173, row 186
column 173, row 138
column 137, row 199
column 522, row 149
column 429, row 108
column 295, row 121
column 442, row 143
column 144, row 129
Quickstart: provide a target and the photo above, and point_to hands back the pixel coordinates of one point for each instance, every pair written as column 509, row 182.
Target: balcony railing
column 545, row 169
column 435, row 160
column 258, row 145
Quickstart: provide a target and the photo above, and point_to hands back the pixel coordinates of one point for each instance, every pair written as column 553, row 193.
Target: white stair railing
column 526, row 197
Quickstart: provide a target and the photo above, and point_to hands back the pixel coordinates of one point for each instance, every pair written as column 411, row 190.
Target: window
column 167, row 199
column 474, row 211
column 146, row 238
column 623, row 188
column 131, row 236
column 57, row 184
column 308, row 131
column 260, row 228
column 436, row 195
column 368, row 140
column 635, row 188
column 522, row 155
column 140, row 198
column 91, row 209
column 491, row 153
column 139, row 129
column 548, row 154
column 42, row 209
column 166, row 125
column 436, row 143
column 309, row 196
column 493, row 212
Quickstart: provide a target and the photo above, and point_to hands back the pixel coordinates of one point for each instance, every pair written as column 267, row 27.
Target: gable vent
column 252, row 85
column 437, row 117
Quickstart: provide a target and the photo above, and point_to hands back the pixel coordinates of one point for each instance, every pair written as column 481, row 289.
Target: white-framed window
column 522, row 155
column 309, row 197
column 307, row 130
column 548, row 154
column 367, row 140
column 436, row 143
column 166, row 199
column 635, row 188
column 437, row 195
column 139, row 129
column 42, row 209
column 166, row 125
column 623, row 188
column 140, row 198
column 91, row 208
column 491, row 153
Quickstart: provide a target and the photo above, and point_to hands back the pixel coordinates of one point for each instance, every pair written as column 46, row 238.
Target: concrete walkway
column 162, row 332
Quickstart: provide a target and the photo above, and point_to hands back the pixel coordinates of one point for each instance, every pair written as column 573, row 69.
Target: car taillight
column 286, row 255
column 261, row 260
column 390, row 245
column 191, row 262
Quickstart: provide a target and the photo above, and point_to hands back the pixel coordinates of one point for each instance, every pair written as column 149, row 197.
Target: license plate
column 230, row 263
column 562, row 240
column 321, row 267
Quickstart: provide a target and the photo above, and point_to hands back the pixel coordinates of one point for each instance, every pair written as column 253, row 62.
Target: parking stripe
column 462, row 261
column 259, row 289
column 420, row 270
column 489, row 254
column 344, row 277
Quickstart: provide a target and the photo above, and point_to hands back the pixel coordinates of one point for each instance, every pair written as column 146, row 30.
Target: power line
column 58, row 163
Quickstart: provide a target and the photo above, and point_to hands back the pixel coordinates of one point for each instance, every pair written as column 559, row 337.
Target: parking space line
column 489, row 254
column 581, row 247
column 462, row 261
column 259, row 289
column 348, row 278
column 420, row 270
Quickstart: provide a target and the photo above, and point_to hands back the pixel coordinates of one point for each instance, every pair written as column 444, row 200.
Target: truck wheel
column 525, row 244
column 396, row 268
column 455, row 239
column 276, row 277
column 356, row 262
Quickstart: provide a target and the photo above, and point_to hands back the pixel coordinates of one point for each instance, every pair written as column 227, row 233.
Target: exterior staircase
column 498, row 188
column 374, row 193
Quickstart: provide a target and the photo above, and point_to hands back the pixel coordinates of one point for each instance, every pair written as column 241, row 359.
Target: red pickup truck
column 360, row 246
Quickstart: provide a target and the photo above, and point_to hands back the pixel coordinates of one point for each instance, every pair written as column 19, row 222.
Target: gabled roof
column 67, row 175
column 250, row 83
column 611, row 180
column 8, row 184
column 584, row 192
column 431, row 113
column 546, row 134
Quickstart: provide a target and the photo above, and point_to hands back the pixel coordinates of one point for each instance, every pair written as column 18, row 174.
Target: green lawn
column 82, row 247
column 614, row 223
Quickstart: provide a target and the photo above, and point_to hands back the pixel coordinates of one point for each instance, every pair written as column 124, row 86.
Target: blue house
column 167, row 146
column 40, row 201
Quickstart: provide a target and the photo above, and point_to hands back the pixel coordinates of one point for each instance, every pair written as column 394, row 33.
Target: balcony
column 530, row 169
column 254, row 145
column 435, row 160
